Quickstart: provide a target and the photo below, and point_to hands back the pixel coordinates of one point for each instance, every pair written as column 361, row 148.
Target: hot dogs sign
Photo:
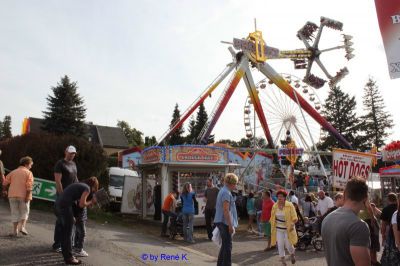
column 347, row 164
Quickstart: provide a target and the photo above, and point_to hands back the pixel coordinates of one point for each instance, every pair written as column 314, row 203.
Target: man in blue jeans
column 226, row 218
column 65, row 174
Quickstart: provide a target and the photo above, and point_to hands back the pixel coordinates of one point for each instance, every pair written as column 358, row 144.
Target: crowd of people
column 349, row 224
column 72, row 199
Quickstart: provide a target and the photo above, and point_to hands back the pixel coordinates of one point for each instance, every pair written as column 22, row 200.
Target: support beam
column 251, row 88
column 197, row 102
column 224, row 101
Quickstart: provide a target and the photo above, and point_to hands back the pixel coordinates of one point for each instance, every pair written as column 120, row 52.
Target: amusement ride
column 280, row 105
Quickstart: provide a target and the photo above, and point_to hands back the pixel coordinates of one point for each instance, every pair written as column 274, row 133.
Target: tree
column 133, row 135
column 192, row 135
column 46, row 149
column 6, row 127
column 230, row 142
column 176, row 137
column 340, row 110
column 66, row 112
column 150, row 141
column 201, row 120
column 245, row 143
column 376, row 121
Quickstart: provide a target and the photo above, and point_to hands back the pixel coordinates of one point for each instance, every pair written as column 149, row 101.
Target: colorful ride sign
column 44, row 189
column 347, row 164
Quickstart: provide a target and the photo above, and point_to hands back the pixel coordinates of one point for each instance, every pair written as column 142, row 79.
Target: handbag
column 216, row 238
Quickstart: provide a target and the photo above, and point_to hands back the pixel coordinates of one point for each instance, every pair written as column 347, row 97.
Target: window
column 116, row 181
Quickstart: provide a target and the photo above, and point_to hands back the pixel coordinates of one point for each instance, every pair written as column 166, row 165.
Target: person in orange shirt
column 168, row 210
column 20, row 182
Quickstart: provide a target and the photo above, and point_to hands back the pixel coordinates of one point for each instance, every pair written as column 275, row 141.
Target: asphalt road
column 136, row 245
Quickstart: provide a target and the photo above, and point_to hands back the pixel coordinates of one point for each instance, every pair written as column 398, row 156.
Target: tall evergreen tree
column 176, row 138
column 66, row 112
column 6, row 128
column 133, row 135
column 376, row 121
column 340, row 110
column 201, row 119
column 192, row 134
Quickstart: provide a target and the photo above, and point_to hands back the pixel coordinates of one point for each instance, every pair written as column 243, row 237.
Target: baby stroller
column 309, row 236
column 176, row 224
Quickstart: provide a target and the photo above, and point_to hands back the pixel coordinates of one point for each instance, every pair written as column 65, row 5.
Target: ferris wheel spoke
column 283, row 114
column 301, row 137
column 276, row 111
column 269, row 106
column 278, row 101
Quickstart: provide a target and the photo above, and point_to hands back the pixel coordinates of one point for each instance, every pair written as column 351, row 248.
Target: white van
column 116, row 182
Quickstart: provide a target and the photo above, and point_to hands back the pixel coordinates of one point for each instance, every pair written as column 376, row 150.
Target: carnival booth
column 173, row 166
column 390, row 179
column 390, row 176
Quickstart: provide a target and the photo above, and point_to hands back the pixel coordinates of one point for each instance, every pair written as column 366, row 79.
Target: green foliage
column 176, row 137
column 201, row 120
column 5, row 128
column 47, row 149
column 242, row 143
column 133, row 135
column 340, row 110
column 196, row 126
column 192, row 133
column 150, row 141
column 65, row 111
column 376, row 121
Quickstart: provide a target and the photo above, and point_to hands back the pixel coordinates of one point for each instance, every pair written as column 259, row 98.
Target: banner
column 388, row 12
column 347, row 164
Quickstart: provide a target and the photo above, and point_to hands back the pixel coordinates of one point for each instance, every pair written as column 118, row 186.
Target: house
column 112, row 139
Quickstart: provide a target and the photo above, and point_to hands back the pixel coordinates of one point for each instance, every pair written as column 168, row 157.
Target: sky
column 134, row 60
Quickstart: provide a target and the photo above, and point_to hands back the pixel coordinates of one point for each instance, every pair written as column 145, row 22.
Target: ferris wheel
column 284, row 115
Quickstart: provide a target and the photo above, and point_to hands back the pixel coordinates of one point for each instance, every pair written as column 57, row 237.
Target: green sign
column 44, row 189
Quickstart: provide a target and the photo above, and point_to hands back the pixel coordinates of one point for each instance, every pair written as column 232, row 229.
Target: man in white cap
column 65, row 174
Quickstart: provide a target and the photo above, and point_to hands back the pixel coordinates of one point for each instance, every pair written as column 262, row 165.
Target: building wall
column 110, row 151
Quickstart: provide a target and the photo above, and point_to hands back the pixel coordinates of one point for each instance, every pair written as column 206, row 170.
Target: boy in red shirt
column 168, row 210
column 266, row 215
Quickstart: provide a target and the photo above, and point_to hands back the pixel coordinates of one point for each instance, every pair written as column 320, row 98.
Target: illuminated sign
column 283, row 152
column 151, row 155
column 197, row 155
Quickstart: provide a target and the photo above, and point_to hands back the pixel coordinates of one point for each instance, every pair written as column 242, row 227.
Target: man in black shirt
column 386, row 216
column 210, row 197
column 65, row 174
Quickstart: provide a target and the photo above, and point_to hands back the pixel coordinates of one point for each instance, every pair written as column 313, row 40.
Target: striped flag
column 388, row 12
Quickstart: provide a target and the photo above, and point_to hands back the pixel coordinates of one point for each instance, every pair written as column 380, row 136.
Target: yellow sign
column 292, row 157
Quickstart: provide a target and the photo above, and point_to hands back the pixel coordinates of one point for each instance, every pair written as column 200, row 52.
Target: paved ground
column 116, row 245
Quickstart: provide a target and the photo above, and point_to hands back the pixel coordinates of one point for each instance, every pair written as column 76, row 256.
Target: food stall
column 390, row 176
column 390, row 179
column 173, row 166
